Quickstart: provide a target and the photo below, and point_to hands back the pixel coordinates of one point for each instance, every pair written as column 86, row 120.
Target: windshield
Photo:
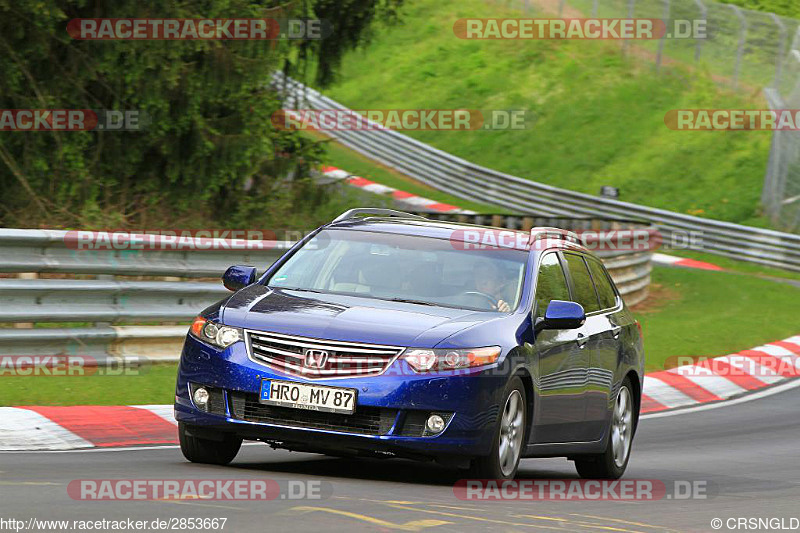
column 407, row 268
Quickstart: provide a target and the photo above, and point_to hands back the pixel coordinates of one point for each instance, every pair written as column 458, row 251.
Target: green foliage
column 786, row 8
column 209, row 143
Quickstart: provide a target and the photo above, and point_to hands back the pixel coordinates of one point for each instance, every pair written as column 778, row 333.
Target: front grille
column 365, row 421
column 317, row 358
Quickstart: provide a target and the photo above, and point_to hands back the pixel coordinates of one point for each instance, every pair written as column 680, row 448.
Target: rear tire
column 207, row 451
column 508, row 438
column 611, row 464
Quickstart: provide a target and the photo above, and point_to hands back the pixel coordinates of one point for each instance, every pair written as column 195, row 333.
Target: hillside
column 598, row 116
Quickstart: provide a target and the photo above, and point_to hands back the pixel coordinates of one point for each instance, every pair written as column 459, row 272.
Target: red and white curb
column 98, row 426
column 404, row 197
column 671, row 260
column 721, row 378
column 85, row 426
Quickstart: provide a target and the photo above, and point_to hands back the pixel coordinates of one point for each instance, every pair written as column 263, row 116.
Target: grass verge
column 700, row 313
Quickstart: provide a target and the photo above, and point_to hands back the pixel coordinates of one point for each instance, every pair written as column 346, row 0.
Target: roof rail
column 544, row 232
column 353, row 213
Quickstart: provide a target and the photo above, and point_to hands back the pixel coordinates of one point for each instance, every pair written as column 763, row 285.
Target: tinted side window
column 550, row 283
column 582, row 283
column 608, row 298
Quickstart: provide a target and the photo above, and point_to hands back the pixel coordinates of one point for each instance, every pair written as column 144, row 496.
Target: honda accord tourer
column 393, row 335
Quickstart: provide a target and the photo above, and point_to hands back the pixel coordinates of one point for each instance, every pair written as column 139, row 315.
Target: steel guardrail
column 102, row 309
column 461, row 178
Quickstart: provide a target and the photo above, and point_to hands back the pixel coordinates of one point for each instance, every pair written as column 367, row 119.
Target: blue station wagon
column 388, row 334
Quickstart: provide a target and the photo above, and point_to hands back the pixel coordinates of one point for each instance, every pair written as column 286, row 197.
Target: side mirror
column 562, row 315
column 238, row 276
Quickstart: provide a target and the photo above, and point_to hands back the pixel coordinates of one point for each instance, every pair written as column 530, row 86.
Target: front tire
column 503, row 461
column 612, row 463
column 207, row 451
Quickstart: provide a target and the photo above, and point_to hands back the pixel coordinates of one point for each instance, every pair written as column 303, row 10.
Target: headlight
column 426, row 360
column 216, row 334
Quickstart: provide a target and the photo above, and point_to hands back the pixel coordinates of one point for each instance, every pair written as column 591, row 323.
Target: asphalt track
column 747, row 454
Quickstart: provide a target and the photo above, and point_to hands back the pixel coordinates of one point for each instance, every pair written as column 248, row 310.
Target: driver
column 489, row 281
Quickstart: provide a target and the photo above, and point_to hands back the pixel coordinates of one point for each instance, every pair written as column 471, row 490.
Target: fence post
column 781, row 49
column 663, row 37
column 740, row 50
column 698, row 41
column 561, row 8
column 594, row 8
column 631, row 9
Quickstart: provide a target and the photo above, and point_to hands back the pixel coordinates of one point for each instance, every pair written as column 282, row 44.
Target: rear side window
column 582, row 283
column 550, row 283
column 608, row 298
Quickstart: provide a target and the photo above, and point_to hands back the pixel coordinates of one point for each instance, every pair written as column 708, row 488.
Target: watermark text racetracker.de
column 179, row 239
column 73, row 120
column 583, row 489
column 633, row 240
column 182, row 29
column 72, row 366
column 400, row 119
column 579, row 28
column 733, row 119
column 263, row 489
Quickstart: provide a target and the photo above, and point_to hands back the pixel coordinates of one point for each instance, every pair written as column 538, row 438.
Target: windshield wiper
column 297, row 289
column 407, row 301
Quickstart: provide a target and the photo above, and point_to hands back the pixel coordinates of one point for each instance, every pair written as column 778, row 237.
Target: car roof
column 438, row 229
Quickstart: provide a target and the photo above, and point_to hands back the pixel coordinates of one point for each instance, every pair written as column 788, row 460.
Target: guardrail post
column 698, row 41
column 631, row 9
column 26, row 275
column 742, row 39
column 660, row 53
column 781, row 49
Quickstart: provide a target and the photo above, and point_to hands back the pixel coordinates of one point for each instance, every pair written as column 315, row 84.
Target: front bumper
column 389, row 416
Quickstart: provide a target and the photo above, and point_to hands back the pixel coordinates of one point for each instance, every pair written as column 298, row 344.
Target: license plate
column 306, row 396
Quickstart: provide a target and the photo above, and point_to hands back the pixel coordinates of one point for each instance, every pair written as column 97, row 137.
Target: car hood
column 346, row 318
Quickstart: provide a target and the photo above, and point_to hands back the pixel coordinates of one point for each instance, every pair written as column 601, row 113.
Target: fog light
column 435, row 424
column 201, row 397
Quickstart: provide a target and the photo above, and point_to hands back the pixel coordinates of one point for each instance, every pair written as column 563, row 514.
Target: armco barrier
column 461, row 178
column 115, row 298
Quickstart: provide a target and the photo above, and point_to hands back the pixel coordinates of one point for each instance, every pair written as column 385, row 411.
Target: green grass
column 737, row 266
column 691, row 313
column 702, row 313
column 154, row 385
column 597, row 118
column 354, row 163
column 786, row 8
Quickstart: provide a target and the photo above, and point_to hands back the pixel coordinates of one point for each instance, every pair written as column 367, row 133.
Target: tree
column 208, row 102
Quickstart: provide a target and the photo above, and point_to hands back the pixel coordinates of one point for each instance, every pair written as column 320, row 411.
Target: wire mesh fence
column 739, row 48
column 781, row 194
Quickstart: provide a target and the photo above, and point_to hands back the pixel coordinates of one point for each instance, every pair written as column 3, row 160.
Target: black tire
column 605, row 465
column 208, row 451
column 490, row 466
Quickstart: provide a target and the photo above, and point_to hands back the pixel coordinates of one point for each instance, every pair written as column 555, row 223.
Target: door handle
column 581, row 340
column 615, row 331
